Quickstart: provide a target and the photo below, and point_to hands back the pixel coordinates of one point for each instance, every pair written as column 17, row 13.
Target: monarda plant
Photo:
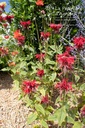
column 48, row 73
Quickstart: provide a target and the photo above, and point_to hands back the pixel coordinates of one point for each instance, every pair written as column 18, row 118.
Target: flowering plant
column 48, row 74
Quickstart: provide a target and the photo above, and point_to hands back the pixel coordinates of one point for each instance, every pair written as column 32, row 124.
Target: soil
column 13, row 113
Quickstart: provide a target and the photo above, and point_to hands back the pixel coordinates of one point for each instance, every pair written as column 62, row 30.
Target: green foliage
column 51, row 82
column 77, row 125
column 32, row 117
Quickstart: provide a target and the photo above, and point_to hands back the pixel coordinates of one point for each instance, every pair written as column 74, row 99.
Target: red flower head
column 1, row 18
column 69, row 49
column 65, row 60
column 5, row 25
column 45, row 99
column 2, row 6
column 64, row 85
column 3, row 51
column 17, row 33
column 40, row 72
column 40, row 56
column 20, row 38
column 39, row 3
column 29, row 86
column 79, row 42
column 25, row 24
column 82, row 111
column 45, row 35
column 56, row 27
column 9, row 18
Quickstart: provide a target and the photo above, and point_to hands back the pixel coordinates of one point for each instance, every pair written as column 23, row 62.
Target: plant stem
column 37, row 30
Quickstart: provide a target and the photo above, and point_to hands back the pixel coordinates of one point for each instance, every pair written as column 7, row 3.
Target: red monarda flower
column 9, row 18
column 20, row 38
column 17, row 33
column 40, row 56
column 25, row 24
column 65, row 60
column 29, row 86
column 79, row 42
column 64, row 85
column 40, row 72
column 82, row 111
column 45, row 99
column 69, row 49
column 55, row 27
column 39, row 3
column 1, row 18
column 1, row 9
column 45, row 35
column 2, row 6
column 3, row 51
column 5, row 25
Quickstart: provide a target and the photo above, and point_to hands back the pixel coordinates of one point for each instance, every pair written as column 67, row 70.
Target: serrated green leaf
column 44, row 124
column 32, row 117
column 39, row 108
column 77, row 125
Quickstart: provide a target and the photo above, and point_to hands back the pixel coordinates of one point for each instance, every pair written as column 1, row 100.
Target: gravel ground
column 13, row 114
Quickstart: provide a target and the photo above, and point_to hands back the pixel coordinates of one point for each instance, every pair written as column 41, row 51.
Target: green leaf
column 42, row 91
column 70, row 120
column 77, row 78
column 53, row 76
column 48, row 61
column 16, row 83
column 60, row 115
column 53, row 47
column 52, row 118
column 40, row 109
column 44, row 124
column 27, row 101
column 82, row 87
column 5, row 69
column 31, row 49
column 77, row 125
column 32, row 117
